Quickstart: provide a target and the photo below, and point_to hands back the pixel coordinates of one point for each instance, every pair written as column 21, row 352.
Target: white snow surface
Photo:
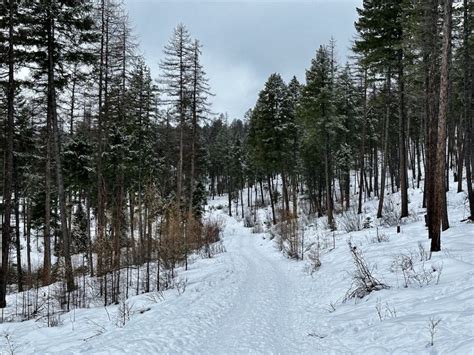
column 251, row 299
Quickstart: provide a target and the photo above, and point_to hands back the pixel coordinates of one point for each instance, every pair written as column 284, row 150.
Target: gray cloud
column 245, row 41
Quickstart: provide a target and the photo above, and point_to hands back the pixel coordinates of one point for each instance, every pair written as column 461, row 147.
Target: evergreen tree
column 320, row 119
column 379, row 42
column 271, row 132
column 177, row 79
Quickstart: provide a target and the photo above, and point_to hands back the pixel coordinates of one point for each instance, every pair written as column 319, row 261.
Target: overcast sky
column 245, row 40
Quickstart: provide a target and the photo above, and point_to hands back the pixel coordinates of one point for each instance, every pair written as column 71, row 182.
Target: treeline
column 99, row 158
column 399, row 111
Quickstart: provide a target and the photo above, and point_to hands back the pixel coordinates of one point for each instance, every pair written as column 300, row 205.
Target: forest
column 107, row 171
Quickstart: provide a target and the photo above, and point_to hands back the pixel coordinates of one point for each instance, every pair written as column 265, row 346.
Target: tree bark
column 402, row 138
column 385, row 151
column 271, row 198
column 467, row 97
column 52, row 114
column 362, row 148
column 8, row 172
column 439, row 187
column 17, row 228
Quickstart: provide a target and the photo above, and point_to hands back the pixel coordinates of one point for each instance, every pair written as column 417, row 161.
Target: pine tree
column 439, row 188
column 9, row 22
column 380, row 32
column 199, row 110
column 176, row 79
column 294, row 164
column 271, row 131
column 347, row 102
column 53, row 19
column 468, row 74
column 320, row 119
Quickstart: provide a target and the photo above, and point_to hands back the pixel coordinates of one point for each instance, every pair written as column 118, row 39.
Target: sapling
column 433, row 324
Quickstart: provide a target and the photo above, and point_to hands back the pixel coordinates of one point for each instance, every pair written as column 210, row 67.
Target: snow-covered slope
column 251, row 299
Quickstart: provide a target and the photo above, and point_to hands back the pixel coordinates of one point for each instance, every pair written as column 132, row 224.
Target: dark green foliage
column 272, row 128
column 79, row 231
column 379, row 28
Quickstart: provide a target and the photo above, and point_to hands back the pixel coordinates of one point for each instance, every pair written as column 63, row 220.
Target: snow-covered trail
column 259, row 316
column 242, row 301
column 241, row 304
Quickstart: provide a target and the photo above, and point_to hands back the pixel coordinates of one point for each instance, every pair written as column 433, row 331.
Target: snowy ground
column 251, row 299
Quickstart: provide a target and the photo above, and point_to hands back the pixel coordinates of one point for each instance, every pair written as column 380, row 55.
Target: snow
column 252, row 299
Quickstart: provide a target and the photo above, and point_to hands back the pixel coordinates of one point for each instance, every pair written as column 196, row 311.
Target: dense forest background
column 103, row 161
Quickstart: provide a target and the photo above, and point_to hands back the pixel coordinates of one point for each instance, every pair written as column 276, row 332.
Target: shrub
column 10, row 346
column 180, row 285
column 124, row 312
column 416, row 275
column 390, row 213
column 388, row 312
column 211, row 233
column 171, row 244
column 364, row 282
column 288, row 235
column 380, row 237
column 433, row 324
column 351, row 221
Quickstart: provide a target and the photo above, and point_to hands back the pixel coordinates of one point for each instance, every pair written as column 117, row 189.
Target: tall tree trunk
column 52, row 114
column 101, row 220
column 17, row 227
column 285, row 193
column 8, row 172
column 194, row 124
column 385, row 150
column 47, row 208
column 182, row 119
column 89, row 236
column 328, row 180
column 362, row 148
column 132, row 224
column 376, row 171
column 402, row 137
column 460, row 160
column 271, row 198
column 261, row 191
column 430, row 61
column 229, row 188
column 467, row 97
column 418, row 163
column 439, row 177
column 27, row 233
column 294, row 190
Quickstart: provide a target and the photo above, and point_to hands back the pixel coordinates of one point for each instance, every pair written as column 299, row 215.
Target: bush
column 171, row 244
column 390, row 213
column 124, row 312
column 433, row 328
column 180, row 285
column 416, row 275
column 288, row 235
column 364, row 282
column 351, row 221
column 388, row 312
column 380, row 237
column 211, row 233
